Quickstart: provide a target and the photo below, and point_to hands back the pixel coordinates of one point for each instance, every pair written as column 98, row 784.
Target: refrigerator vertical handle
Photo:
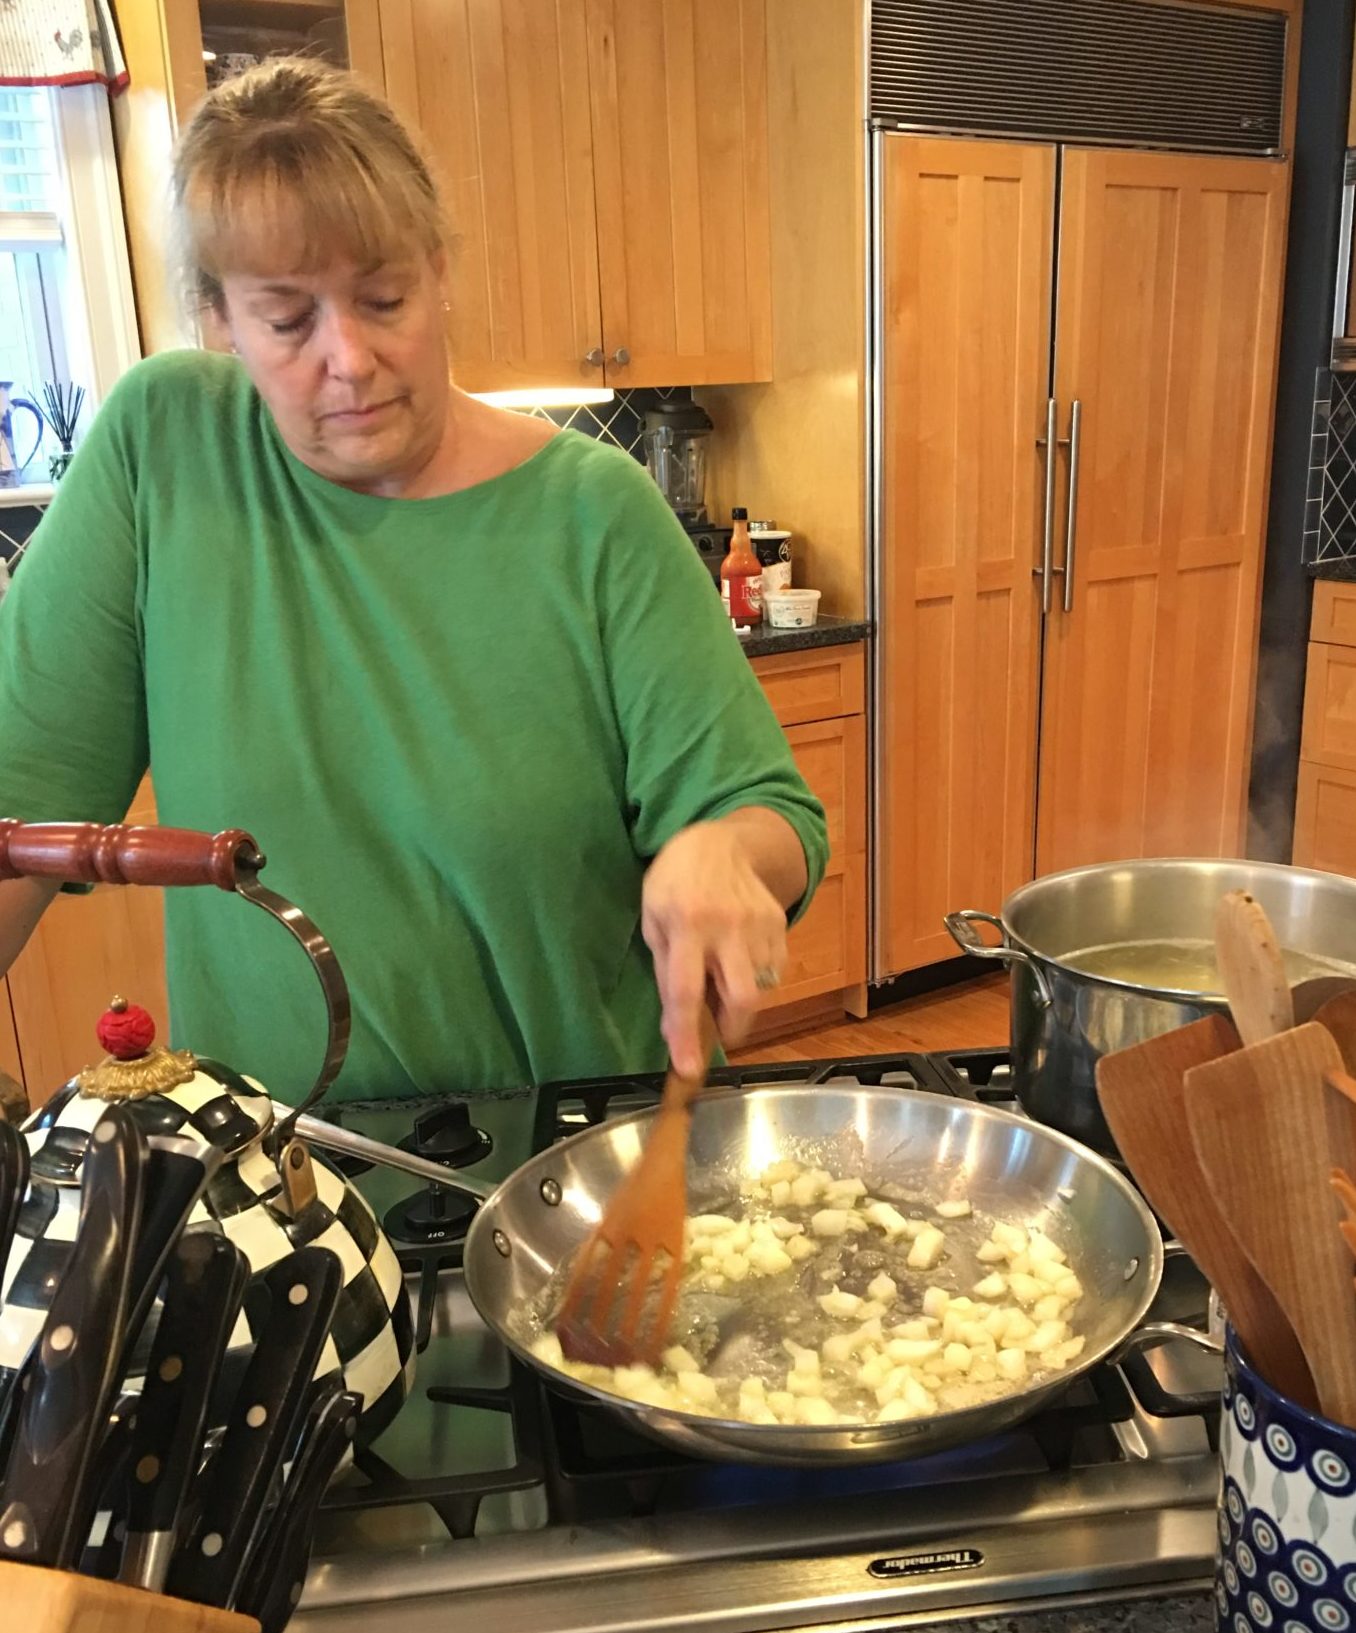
column 1071, row 533
column 1047, row 566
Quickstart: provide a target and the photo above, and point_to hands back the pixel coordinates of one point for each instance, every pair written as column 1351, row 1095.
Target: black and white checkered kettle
column 270, row 1196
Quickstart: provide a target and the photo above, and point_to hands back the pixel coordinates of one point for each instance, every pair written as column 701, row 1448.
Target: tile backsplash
column 1330, row 502
column 622, row 421
column 16, row 528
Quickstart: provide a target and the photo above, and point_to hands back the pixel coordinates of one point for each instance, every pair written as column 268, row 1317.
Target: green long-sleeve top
column 459, row 728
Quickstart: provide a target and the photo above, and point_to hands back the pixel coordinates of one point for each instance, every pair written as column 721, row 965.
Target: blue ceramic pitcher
column 11, row 466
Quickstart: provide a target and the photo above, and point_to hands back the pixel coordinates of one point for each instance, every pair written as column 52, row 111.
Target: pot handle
column 1153, row 1333
column 119, row 854
column 960, row 926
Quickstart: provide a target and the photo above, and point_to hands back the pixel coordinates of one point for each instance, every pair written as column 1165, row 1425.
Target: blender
column 675, row 451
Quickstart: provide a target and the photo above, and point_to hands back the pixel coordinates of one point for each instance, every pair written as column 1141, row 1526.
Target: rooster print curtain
column 60, row 42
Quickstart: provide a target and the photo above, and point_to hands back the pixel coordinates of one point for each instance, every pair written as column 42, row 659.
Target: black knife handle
column 276, row 1578
column 261, row 1430
column 178, row 1171
column 70, row 1375
column 204, row 1289
column 108, row 1484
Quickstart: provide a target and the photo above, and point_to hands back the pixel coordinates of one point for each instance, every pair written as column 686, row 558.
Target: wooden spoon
column 1268, row 1133
column 1252, row 969
column 1142, row 1099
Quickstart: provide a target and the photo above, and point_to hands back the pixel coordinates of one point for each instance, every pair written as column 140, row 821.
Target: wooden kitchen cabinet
column 606, row 170
column 818, row 696
column 499, row 91
column 1325, row 806
column 679, row 96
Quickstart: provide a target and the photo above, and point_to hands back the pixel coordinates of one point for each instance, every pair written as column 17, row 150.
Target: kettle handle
column 89, row 853
column 120, row 854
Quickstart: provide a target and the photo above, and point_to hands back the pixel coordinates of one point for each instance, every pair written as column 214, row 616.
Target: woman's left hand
column 713, row 922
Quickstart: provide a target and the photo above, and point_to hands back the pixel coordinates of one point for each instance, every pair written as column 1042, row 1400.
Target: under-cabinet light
column 545, row 397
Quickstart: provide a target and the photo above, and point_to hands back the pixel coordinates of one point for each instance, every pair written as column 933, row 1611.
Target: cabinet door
column 1167, row 319
column 968, row 247
column 826, row 951
column 1325, row 818
column 679, row 95
column 10, row 1061
column 1330, row 706
column 499, row 90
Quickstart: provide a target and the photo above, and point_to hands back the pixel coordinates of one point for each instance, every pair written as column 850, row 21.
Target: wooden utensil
column 1338, row 1016
column 1142, row 1098
column 640, row 1233
column 1344, row 1189
column 1309, row 997
column 1268, row 1134
column 1252, row 969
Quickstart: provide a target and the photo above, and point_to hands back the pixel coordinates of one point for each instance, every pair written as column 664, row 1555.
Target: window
column 32, row 345
column 65, row 287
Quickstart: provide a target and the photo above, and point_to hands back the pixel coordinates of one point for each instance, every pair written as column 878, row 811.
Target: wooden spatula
column 1252, row 969
column 1268, row 1133
column 633, row 1260
column 1145, row 1108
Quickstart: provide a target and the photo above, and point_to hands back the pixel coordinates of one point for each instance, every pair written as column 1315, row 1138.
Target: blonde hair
column 296, row 162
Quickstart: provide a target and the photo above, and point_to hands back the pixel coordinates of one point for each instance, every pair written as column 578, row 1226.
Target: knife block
column 62, row 1602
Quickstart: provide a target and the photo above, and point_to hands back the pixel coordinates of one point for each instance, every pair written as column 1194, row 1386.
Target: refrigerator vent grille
column 1134, row 73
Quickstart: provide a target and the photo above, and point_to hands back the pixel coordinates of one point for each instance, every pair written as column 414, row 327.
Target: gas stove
column 492, row 1499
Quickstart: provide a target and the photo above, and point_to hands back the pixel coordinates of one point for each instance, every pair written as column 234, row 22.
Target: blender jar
column 675, row 451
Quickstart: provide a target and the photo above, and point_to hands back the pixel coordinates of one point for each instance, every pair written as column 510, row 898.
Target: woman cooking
column 460, row 673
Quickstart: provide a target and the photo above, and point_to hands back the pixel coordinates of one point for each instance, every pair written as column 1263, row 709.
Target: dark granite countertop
column 764, row 642
column 1341, row 572
column 1185, row 1613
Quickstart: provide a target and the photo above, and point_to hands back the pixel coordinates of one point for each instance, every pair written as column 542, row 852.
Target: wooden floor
column 973, row 1016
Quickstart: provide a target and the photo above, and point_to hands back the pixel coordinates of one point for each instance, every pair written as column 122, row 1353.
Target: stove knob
column 447, row 1134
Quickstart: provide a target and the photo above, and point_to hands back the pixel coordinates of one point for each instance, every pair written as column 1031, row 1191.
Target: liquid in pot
column 1185, row 966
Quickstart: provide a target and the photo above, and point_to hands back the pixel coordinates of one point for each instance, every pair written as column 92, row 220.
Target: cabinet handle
column 1071, row 533
column 1045, row 571
column 621, row 356
column 594, row 358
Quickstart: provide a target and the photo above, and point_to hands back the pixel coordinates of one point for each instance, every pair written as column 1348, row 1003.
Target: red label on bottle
column 746, row 597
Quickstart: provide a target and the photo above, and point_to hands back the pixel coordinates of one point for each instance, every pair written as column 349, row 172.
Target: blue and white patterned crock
column 1286, row 1560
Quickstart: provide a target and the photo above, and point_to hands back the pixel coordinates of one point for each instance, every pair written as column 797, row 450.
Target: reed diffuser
column 64, row 403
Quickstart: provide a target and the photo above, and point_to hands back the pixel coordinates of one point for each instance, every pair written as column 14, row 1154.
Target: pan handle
column 961, row 928
column 1153, row 1333
column 330, row 1137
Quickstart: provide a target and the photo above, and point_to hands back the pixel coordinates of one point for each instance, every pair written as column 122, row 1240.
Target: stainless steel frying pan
column 904, row 1143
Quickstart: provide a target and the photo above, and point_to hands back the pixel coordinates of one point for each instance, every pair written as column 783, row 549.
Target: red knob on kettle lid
column 125, row 1030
